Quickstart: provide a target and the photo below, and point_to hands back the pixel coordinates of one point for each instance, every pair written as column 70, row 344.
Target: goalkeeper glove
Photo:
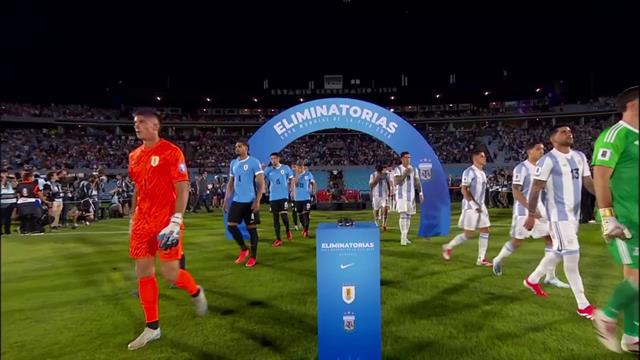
column 611, row 228
column 170, row 235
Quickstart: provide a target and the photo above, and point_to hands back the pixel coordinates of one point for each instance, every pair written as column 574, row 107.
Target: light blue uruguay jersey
column 563, row 190
column 523, row 175
column 244, row 173
column 476, row 180
column 303, row 187
column 278, row 181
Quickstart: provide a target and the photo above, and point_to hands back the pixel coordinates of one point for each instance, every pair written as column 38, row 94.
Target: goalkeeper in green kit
column 615, row 176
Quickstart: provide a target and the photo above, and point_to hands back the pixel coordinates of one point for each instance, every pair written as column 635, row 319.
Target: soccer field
column 68, row 295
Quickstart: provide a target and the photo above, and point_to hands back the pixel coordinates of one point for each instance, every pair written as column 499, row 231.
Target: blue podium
column 348, row 281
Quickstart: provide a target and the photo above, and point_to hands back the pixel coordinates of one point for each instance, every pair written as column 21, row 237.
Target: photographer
column 115, row 210
column 84, row 195
column 127, row 193
column 9, row 199
column 53, row 180
column 29, row 208
column 68, row 191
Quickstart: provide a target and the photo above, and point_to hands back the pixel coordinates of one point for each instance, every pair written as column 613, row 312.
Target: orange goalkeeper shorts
column 145, row 244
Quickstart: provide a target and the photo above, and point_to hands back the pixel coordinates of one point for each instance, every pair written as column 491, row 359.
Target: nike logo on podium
column 346, row 266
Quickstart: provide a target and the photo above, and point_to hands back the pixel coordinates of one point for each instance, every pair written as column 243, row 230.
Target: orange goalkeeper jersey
column 155, row 171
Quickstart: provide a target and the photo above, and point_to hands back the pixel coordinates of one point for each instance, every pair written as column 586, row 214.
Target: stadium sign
column 371, row 119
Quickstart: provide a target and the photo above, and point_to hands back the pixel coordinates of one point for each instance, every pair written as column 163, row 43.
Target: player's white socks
column 572, row 273
column 405, row 224
column 459, row 239
column 483, row 244
column 550, row 273
column 549, row 261
column 506, row 251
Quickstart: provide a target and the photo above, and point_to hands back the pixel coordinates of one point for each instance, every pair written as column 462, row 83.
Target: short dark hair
column 244, row 142
column 625, row 97
column 301, row 162
column 533, row 144
column 379, row 167
column 402, row 154
column 557, row 128
column 148, row 113
column 475, row 152
column 275, row 154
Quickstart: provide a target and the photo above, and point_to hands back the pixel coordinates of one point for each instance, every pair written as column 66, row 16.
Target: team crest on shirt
column 246, row 167
column 282, row 172
column 155, row 160
column 348, row 293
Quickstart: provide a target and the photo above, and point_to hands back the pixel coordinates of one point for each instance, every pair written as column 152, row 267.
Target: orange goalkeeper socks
column 185, row 281
column 149, row 294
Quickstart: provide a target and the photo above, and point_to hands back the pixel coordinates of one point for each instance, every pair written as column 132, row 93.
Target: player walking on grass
column 615, row 176
column 522, row 181
column 162, row 188
column 380, row 189
column 407, row 182
column 475, row 215
column 560, row 176
column 242, row 200
column 280, row 179
column 304, row 187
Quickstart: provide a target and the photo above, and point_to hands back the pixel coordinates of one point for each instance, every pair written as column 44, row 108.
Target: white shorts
column 540, row 229
column 404, row 206
column 471, row 220
column 564, row 235
column 378, row 203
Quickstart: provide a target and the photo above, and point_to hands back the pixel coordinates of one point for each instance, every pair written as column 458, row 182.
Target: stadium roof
column 125, row 52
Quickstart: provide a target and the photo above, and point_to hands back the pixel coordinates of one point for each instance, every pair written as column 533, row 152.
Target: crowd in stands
column 83, row 112
column 46, row 148
column 512, row 141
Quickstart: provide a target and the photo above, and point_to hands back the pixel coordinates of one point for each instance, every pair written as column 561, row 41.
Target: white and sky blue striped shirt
column 381, row 189
column 563, row 191
column 406, row 190
column 523, row 175
column 476, row 180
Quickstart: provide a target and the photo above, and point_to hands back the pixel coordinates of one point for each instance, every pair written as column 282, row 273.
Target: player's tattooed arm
column 587, row 182
column 534, row 197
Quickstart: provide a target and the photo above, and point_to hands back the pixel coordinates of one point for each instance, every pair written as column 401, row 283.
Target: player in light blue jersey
column 280, row 178
column 522, row 181
column 559, row 177
column 304, row 187
column 242, row 200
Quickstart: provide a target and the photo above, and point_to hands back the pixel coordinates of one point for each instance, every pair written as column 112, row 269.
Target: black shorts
column 240, row 212
column 302, row 206
column 278, row 206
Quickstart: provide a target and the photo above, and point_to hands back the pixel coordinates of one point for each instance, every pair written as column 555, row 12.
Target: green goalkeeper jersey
column 617, row 148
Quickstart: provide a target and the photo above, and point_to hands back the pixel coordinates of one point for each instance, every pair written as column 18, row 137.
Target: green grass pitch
column 67, row 295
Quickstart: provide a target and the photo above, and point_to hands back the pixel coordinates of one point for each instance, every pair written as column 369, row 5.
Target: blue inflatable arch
column 373, row 120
